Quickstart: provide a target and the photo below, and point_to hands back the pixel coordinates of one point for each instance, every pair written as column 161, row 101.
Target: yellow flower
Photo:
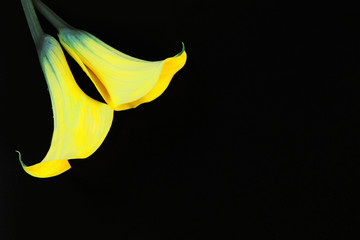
column 80, row 122
column 123, row 81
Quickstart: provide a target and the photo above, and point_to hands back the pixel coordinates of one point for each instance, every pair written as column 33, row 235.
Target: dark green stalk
column 52, row 17
column 36, row 31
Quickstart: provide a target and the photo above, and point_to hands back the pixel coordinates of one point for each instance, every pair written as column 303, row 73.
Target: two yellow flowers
column 80, row 122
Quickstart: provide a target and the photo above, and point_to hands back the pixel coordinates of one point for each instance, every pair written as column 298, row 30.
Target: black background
column 257, row 136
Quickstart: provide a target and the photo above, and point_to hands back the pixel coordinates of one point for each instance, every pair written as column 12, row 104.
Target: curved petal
column 46, row 169
column 123, row 81
column 80, row 122
column 171, row 66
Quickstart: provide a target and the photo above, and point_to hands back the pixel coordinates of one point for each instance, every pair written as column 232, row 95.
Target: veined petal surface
column 80, row 122
column 123, row 81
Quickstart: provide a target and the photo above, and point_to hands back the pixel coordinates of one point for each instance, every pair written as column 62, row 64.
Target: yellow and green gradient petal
column 80, row 122
column 123, row 81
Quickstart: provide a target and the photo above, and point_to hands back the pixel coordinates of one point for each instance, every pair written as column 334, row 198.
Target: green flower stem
column 36, row 31
column 52, row 17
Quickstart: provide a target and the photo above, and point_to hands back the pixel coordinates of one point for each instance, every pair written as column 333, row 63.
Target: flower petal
column 123, row 81
column 171, row 66
column 46, row 169
column 80, row 122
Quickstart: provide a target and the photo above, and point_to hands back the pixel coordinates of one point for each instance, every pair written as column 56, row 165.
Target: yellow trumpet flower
column 80, row 122
column 123, row 81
